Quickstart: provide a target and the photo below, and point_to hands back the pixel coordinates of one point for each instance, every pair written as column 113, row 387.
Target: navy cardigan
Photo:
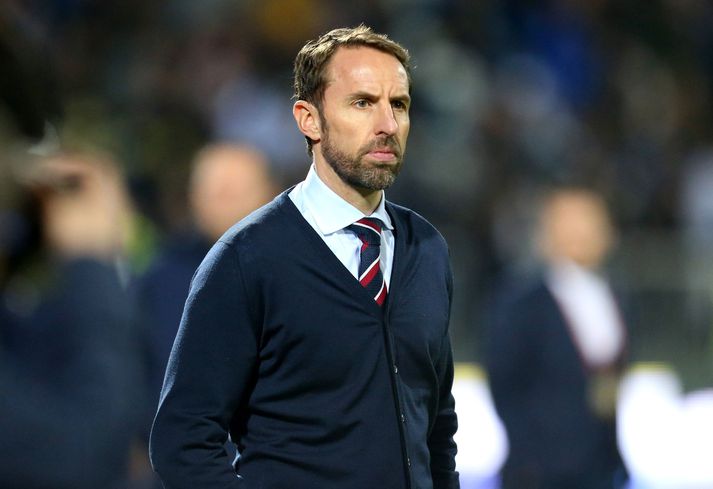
column 280, row 347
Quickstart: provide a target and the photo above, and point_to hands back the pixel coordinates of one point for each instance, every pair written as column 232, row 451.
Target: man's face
column 364, row 117
column 577, row 228
column 227, row 184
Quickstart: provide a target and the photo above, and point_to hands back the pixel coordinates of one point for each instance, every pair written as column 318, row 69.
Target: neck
column 366, row 200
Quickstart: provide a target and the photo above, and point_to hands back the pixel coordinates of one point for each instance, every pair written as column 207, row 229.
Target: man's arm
column 440, row 441
column 212, row 362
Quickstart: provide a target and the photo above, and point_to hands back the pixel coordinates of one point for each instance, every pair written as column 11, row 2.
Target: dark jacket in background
column 161, row 293
column 541, row 389
column 70, row 382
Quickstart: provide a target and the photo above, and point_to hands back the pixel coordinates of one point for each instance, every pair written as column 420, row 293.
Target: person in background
column 70, row 369
column 315, row 333
column 555, row 349
column 227, row 182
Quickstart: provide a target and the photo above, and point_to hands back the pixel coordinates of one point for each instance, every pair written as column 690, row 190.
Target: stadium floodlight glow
column 481, row 438
column 665, row 437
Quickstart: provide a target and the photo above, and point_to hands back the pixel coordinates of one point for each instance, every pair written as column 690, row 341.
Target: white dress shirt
column 329, row 214
column 591, row 312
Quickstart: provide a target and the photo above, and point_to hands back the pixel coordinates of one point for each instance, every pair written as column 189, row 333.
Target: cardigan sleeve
column 441, row 445
column 213, row 360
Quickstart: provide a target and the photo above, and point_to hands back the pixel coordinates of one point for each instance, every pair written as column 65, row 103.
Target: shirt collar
column 331, row 212
column 565, row 273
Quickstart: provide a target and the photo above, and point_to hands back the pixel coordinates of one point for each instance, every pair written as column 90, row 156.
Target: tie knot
column 367, row 229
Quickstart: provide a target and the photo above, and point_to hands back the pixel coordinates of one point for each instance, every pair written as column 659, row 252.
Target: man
column 70, row 373
column 316, row 330
column 556, row 346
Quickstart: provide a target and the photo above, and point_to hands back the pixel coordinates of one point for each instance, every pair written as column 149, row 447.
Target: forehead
column 364, row 68
column 577, row 209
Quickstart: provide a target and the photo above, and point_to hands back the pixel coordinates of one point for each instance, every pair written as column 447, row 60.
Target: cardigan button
column 408, row 461
column 403, row 418
column 396, row 369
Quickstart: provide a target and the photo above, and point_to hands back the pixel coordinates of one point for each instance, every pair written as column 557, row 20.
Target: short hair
column 312, row 60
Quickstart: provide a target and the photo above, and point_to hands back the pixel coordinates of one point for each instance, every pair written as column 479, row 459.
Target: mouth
column 383, row 154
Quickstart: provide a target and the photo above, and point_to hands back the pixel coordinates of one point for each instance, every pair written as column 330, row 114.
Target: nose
column 386, row 121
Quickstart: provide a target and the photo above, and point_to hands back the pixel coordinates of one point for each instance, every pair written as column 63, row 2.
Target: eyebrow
column 406, row 99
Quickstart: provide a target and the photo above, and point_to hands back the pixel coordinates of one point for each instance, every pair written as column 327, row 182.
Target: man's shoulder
column 413, row 224
column 259, row 234
column 262, row 226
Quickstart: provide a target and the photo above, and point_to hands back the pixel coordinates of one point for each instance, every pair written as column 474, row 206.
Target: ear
column 307, row 118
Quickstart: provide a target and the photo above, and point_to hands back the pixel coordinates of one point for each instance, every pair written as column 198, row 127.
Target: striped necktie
column 368, row 230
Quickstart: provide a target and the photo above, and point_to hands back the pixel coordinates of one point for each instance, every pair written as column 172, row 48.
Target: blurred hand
column 83, row 206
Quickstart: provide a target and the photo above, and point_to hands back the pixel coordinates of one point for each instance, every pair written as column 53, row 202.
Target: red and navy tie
column 368, row 230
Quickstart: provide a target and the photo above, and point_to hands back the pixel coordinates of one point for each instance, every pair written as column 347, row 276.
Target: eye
column 362, row 103
column 399, row 105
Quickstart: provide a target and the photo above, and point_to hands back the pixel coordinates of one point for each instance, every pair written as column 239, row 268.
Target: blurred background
column 510, row 97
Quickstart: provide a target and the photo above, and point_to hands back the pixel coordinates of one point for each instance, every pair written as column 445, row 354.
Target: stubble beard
column 361, row 174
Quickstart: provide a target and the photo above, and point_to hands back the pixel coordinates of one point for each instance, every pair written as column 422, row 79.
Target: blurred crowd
column 133, row 133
